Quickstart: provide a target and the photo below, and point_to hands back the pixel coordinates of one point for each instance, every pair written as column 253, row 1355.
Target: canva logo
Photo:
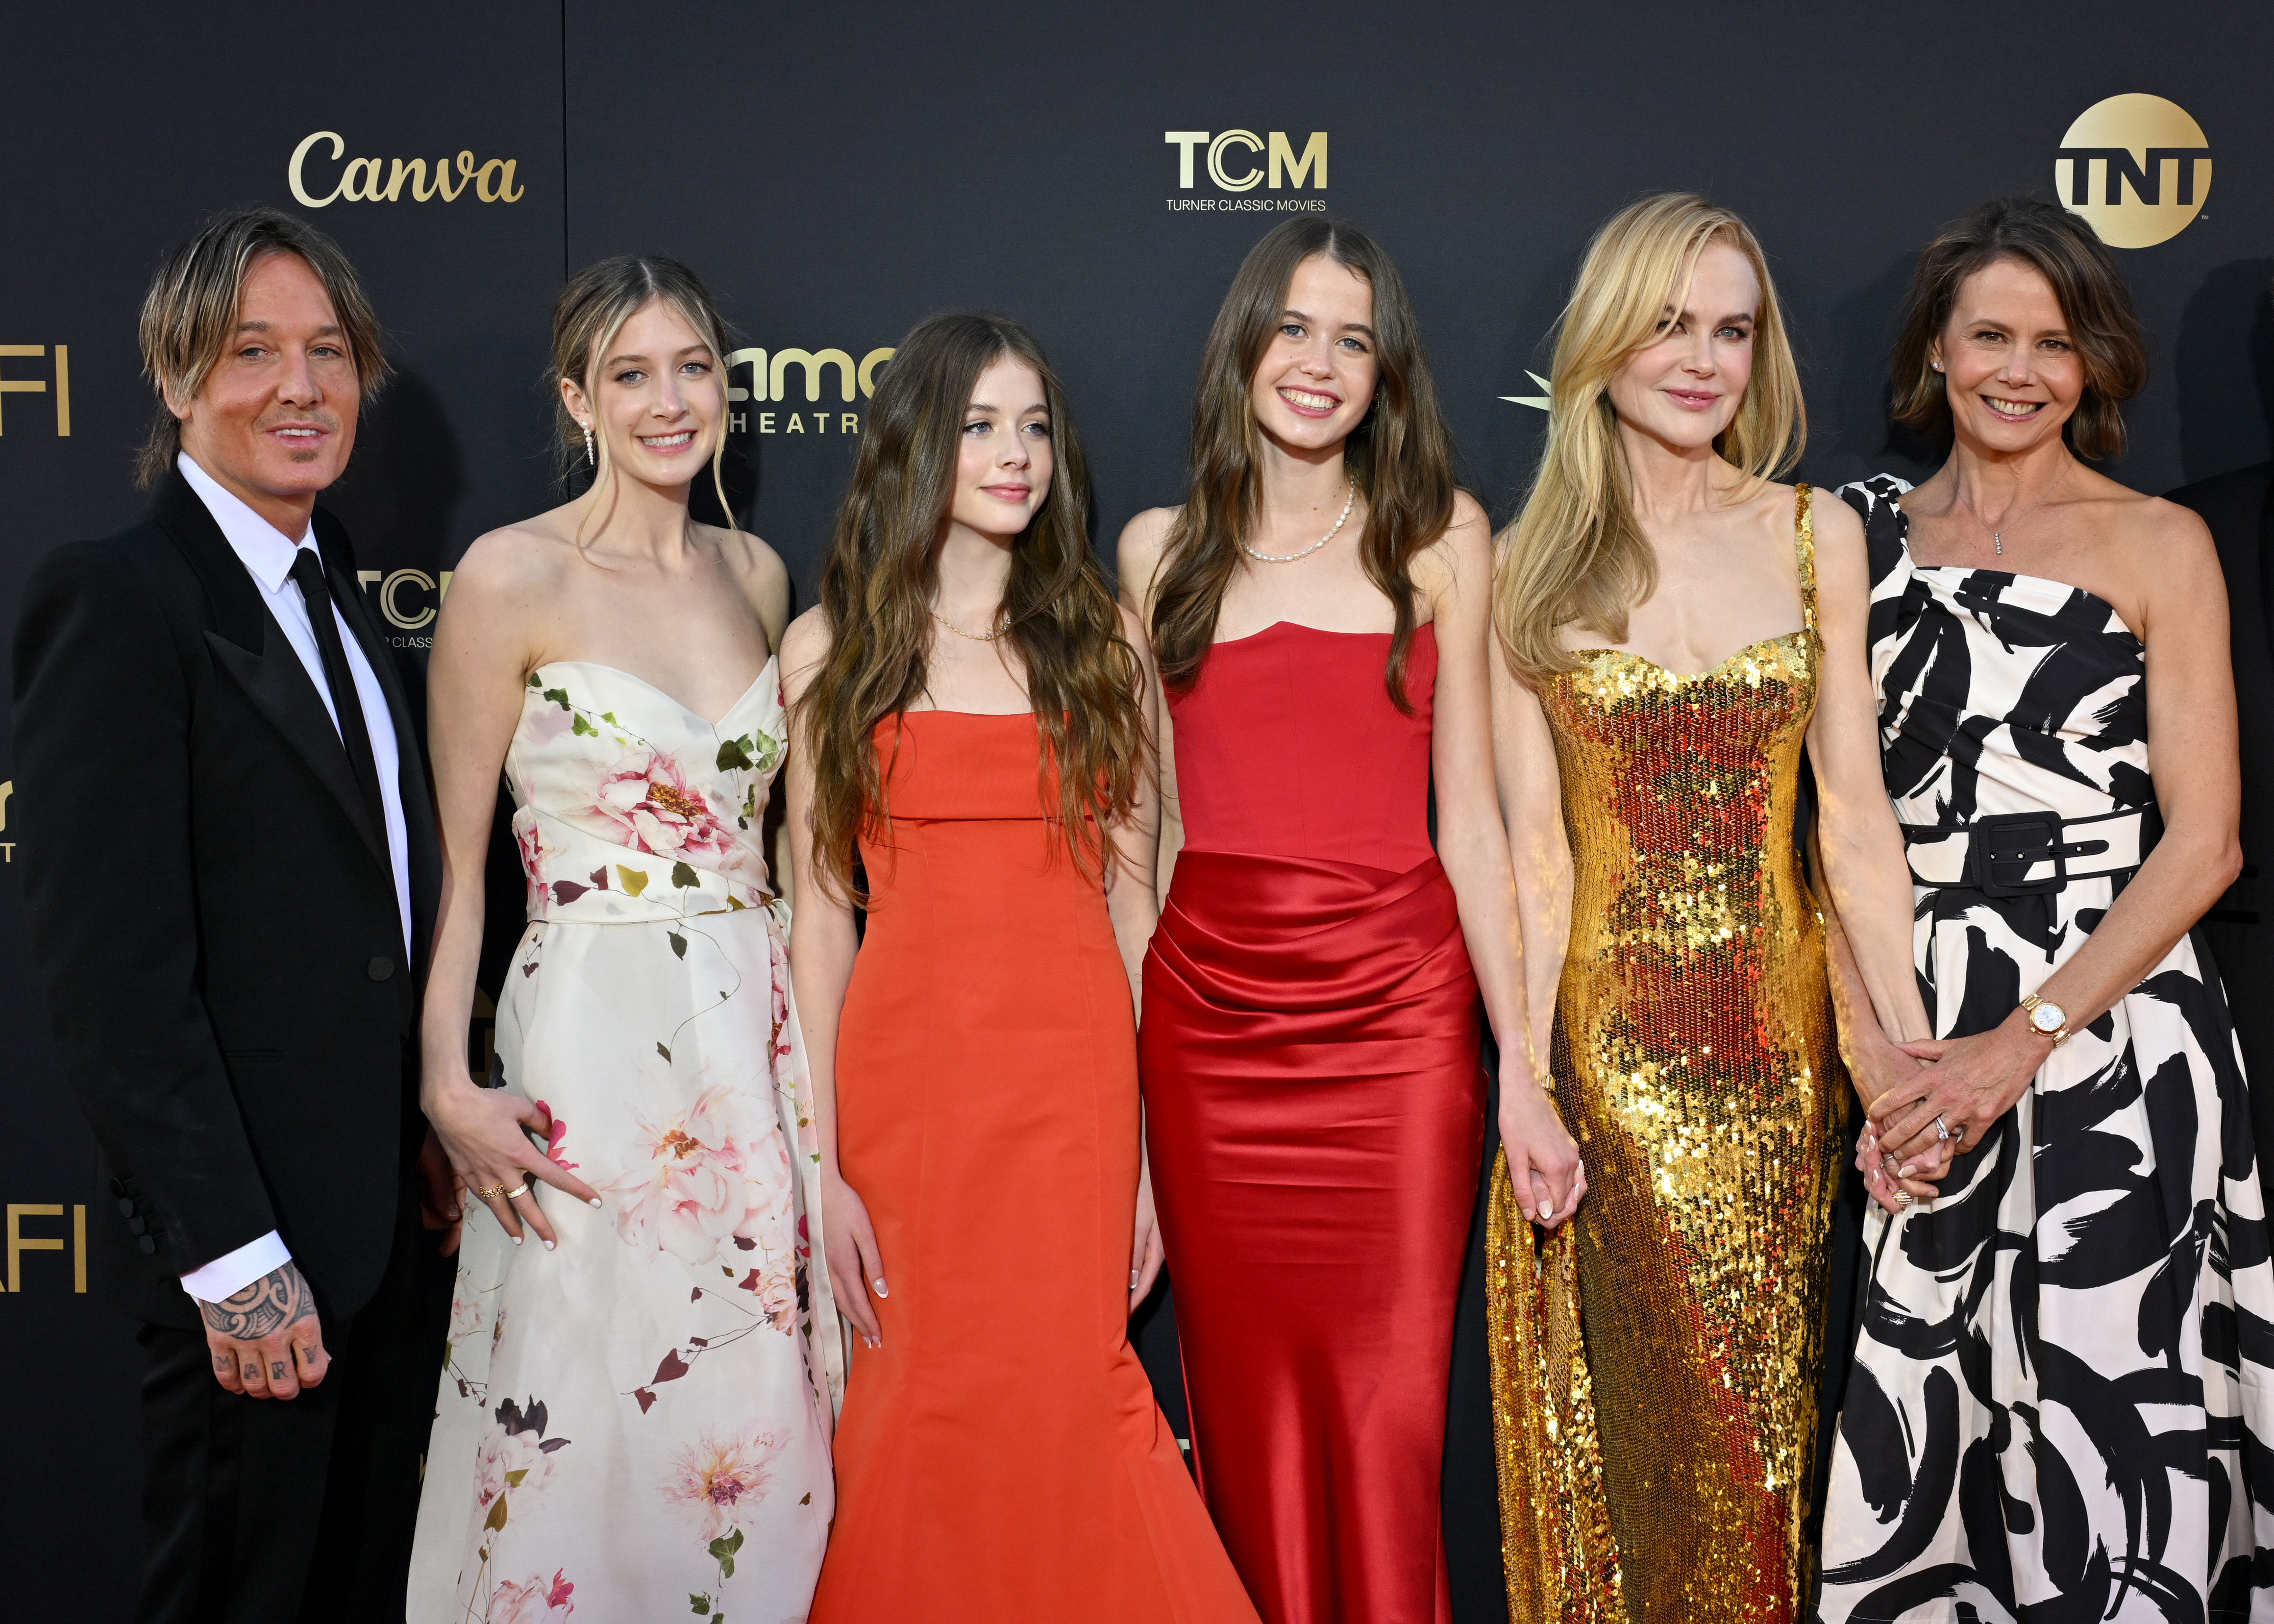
column 1240, row 160
column 2136, row 167
column 391, row 180
column 770, row 380
column 39, row 386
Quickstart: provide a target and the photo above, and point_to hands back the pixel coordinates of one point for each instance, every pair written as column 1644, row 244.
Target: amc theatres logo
column 1239, row 161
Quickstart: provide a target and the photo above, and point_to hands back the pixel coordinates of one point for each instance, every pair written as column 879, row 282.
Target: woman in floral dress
column 635, row 1413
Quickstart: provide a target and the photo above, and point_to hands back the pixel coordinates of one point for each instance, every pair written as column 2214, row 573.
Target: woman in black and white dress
column 2062, row 1394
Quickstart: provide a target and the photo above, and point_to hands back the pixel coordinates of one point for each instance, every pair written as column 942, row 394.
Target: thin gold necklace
column 972, row 637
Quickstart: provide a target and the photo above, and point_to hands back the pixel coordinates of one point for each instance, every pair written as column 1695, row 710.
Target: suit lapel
column 246, row 642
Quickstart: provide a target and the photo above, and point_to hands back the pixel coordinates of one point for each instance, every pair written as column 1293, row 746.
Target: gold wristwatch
column 2047, row 1021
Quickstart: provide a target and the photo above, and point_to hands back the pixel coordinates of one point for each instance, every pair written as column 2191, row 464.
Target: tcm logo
column 1241, row 159
column 770, row 380
column 38, row 385
column 383, row 180
column 2136, row 167
column 408, row 598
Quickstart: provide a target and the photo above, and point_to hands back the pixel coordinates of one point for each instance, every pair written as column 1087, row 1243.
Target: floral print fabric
column 638, row 1425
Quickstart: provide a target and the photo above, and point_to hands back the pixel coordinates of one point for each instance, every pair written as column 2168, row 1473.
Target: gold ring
column 520, row 1189
column 493, row 1193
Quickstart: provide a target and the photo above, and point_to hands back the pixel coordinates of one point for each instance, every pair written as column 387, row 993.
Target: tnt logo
column 2136, row 167
column 1241, row 159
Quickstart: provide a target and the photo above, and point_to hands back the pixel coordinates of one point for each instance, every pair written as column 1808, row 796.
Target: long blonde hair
column 1576, row 553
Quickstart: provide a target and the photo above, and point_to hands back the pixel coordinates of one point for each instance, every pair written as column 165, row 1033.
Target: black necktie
column 316, row 592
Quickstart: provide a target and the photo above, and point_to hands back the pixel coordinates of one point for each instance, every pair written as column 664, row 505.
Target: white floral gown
column 636, row 1425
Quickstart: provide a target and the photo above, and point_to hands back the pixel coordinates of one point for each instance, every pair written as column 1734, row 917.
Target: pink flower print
column 468, row 1312
column 715, row 1481
column 556, row 1129
column 514, row 1456
column 704, row 1175
column 546, row 721
column 647, row 801
column 536, row 853
column 530, row 1602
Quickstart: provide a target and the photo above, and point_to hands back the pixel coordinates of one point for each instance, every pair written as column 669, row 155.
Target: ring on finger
column 1942, row 1129
column 496, row 1192
column 520, row 1189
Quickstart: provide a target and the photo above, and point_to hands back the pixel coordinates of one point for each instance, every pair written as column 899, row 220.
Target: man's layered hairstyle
column 190, row 314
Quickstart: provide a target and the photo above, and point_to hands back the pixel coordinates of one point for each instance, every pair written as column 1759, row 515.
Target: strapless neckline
column 1721, row 664
column 756, row 683
column 1318, row 631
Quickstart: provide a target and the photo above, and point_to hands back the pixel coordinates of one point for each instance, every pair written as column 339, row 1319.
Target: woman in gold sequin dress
column 1656, row 1362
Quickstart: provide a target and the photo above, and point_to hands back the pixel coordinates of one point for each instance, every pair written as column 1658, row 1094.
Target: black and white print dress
column 2062, row 1397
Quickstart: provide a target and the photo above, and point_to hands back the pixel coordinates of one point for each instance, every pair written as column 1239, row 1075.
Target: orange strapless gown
column 1001, row 1458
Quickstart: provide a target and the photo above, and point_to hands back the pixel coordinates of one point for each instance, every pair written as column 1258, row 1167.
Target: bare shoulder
column 1837, row 531
column 1137, row 555
column 516, row 564
column 755, row 566
column 805, row 646
column 1134, row 633
column 1461, row 559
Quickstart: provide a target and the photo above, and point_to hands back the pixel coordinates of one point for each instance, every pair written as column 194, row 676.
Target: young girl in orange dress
column 971, row 765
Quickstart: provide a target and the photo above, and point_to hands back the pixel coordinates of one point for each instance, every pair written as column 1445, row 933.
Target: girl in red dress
column 1310, row 1046
column 971, row 732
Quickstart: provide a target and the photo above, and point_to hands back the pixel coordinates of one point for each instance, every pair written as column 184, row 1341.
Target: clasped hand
column 1544, row 1170
column 1955, row 1089
column 485, row 1132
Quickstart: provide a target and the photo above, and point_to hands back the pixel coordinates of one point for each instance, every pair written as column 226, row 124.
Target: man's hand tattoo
column 278, row 1298
column 275, row 1370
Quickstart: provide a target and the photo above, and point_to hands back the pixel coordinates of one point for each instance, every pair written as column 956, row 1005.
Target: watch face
column 2048, row 1017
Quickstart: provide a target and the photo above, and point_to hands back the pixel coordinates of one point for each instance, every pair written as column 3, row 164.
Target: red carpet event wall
column 835, row 173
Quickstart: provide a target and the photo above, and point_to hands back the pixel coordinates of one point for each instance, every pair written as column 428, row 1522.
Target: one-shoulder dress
column 2062, row 1394
column 1001, row 1459
column 639, row 1422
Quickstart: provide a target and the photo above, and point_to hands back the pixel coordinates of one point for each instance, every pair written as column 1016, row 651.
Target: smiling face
column 659, row 405
column 1317, row 376
column 2010, row 368
column 1003, row 456
column 274, row 420
column 1685, row 387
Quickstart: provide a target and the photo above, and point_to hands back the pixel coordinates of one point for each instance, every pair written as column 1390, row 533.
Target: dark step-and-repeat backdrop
column 836, row 172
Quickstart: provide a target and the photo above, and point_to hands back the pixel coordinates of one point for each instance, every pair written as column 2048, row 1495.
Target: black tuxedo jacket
column 220, row 945
column 2240, row 509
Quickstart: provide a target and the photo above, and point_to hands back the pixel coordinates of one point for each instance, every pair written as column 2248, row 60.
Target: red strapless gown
column 1314, row 1105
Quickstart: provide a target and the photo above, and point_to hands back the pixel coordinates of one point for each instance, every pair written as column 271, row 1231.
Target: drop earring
column 589, row 455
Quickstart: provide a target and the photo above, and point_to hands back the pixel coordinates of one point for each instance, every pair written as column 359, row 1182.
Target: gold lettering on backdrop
column 363, row 191
column 869, row 363
column 755, row 360
column 1298, row 169
column 300, row 157
column 784, row 359
column 19, row 1243
column 7, row 847
column 360, row 182
column 390, row 606
column 32, row 385
column 1284, row 166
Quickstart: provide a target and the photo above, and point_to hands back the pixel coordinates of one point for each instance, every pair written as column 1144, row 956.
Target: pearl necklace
column 1289, row 558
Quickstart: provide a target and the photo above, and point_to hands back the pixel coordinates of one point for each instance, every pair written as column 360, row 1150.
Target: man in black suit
column 232, row 970
column 2240, row 509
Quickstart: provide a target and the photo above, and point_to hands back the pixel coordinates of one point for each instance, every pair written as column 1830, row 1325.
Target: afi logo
column 1232, row 164
column 39, row 386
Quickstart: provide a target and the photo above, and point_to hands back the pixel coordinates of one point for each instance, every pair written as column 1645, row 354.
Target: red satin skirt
column 1314, row 1108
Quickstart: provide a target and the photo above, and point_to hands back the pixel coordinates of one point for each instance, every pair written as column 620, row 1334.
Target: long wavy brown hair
column 1401, row 454
column 883, row 573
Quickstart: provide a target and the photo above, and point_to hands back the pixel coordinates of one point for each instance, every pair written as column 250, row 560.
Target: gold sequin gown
column 1656, row 1360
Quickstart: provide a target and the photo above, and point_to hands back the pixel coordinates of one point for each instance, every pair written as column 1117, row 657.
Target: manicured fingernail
column 1907, row 1170
column 595, row 1201
column 879, row 1283
column 516, row 1240
column 548, row 1245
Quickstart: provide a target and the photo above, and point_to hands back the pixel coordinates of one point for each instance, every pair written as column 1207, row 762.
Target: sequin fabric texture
column 1656, row 1361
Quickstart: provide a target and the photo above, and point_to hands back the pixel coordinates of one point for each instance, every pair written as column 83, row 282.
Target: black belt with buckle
column 2028, row 854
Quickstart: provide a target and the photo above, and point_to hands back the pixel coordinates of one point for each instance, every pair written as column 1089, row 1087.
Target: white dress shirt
column 267, row 557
